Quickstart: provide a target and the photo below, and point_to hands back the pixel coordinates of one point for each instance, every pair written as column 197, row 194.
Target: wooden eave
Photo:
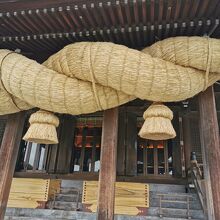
column 39, row 28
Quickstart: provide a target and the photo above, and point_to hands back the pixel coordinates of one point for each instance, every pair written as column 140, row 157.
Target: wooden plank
column 129, row 197
column 54, row 188
column 209, row 134
column 131, row 142
column 107, row 174
column 65, row 144
column 8, row 156
column 32, row 193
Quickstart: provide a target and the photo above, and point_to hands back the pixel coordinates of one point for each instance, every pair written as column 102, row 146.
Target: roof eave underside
column 44, row 27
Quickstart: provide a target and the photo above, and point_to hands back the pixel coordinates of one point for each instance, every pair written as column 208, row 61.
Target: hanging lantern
column 42, row 128
column 157, row 124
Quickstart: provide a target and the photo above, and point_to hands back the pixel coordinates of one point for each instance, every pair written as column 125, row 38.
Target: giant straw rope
column 87, row 77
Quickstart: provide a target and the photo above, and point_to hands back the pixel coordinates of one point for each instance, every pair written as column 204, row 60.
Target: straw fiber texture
column 86, row 77
column 157, row 124
column 42, row 128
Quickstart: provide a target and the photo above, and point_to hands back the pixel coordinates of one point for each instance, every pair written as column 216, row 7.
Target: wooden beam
column 107, row 174
column 8, row 156
column 209, row 134
column 85, row 176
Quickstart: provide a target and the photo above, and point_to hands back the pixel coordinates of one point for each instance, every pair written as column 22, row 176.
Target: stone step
column 67, row 206
column 167, row 188
column 78, row 185
column 46, row 214
column 68, row 190
column 29, row 218
column 194, row 205
column 154, row 196
column 176, row 213
column 72, row 184
column 174, row 196
column 116, row 218
column 122, row 217
column 72, row 206
column 68, row 197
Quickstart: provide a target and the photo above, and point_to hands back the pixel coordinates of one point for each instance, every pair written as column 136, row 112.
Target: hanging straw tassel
column 42, row 128
column 157, row 125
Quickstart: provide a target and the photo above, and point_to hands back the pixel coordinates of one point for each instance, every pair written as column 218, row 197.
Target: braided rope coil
column 87, row 77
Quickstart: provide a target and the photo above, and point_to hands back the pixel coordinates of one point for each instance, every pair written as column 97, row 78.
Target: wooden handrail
column 196, row 176
column 161, row 201
column 195, row 166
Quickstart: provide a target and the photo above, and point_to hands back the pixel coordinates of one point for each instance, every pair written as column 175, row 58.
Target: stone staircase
column 175, row 202
column 67, row 205
column 68, row 199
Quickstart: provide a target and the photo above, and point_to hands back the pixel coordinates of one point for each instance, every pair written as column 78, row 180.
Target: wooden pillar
column 209, row 134
column 187, row 140
column 8, row 156
column 66, row 139
column 107, row 174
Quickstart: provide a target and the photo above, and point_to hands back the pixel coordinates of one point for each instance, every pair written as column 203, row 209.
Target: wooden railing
column 185, row 200
column 196, row 178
